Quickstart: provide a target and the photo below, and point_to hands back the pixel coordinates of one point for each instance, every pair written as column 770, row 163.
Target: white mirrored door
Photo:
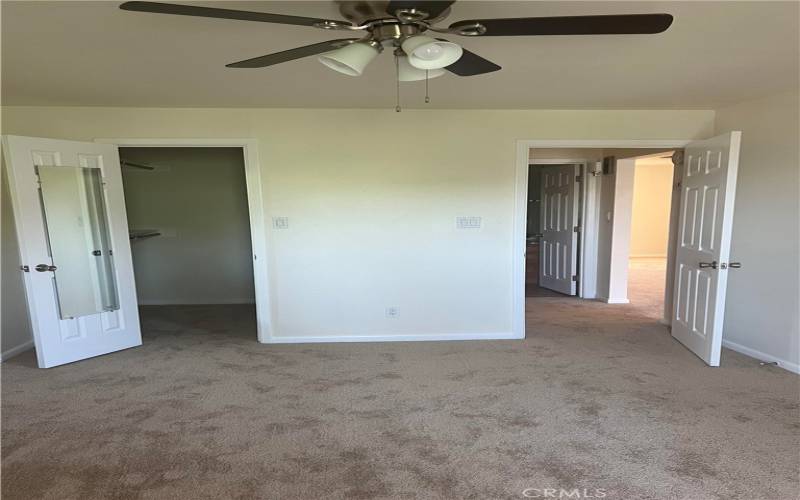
column 73, row 233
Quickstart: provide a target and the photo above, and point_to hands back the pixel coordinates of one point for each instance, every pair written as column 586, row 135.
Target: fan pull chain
column 427, row 97
column 397, row 70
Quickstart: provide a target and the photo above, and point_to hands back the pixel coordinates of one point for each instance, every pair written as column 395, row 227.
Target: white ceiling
column 92, row 53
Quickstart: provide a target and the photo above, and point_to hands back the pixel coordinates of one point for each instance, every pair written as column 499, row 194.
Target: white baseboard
column 10, row 353
column 761, row 356
column 613, row 301
column 193, row 302
column 393, row 338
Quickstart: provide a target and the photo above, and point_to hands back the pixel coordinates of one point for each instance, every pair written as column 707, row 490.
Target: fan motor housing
column 361, row 12
column 393, row 30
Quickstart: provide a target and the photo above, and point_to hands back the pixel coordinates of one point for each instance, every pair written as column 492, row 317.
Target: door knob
column 44, row 268
column 705, row 265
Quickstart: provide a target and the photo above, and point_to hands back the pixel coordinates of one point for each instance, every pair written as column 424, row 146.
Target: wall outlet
column 280, row 222
column 392, row 312
column 468, row 222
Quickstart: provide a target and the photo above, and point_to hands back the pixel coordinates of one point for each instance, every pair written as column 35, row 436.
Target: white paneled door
column 704, row 237
column 559, row 216
column 74, row 248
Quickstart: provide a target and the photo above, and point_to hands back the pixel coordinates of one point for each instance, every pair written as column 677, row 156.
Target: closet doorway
column 190, row 234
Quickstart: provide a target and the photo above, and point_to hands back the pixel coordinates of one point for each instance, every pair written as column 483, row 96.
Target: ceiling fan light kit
column 351, row 59
column 408, row 73
column 425, row 52
column 401, row 24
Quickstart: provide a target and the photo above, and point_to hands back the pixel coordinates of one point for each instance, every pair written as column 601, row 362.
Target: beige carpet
column 597, row 397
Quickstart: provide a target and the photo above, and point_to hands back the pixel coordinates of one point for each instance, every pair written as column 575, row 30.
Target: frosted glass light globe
column 350, row 59
column 429, row 52
column 425, row 52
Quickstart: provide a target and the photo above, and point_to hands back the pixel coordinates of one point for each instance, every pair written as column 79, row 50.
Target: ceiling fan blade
column 470, row 64
column 434, row 8
column 241, row 15
column 291, row 54
column 626, row 24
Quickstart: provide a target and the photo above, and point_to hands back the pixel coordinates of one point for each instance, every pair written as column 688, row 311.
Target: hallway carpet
column 598, row 397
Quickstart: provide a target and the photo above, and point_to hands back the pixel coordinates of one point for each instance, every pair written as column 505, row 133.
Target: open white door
column 75, row 252
column 708, row 187
column 559, row 216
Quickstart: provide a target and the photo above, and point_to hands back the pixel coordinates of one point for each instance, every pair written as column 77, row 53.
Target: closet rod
column 126, row 163
column 140, row 236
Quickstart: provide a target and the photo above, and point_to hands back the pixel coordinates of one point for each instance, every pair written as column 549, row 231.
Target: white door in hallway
column 708, row 187
column 559, row 216
column 75, row 253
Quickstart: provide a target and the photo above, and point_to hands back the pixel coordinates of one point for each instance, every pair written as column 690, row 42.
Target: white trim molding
column 14, row 351
column 761, row 356
column 419, row 337
column 615, row 301
column 606, row 143
column 258, row 231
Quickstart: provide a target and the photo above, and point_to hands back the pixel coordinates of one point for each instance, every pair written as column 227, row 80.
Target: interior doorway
column 188, row 217
column 649, row 235
column 619, row 212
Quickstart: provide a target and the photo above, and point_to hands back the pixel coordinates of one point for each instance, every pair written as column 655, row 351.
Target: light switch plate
column 280, row 222
column 468, row 222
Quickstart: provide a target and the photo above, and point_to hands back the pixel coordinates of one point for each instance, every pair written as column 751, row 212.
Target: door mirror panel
column 79, row 242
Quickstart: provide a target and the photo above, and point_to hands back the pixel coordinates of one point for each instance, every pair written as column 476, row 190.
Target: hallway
column 645, row 291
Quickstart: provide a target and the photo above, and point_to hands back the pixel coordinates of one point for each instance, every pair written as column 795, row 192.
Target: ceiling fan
column 403, row 27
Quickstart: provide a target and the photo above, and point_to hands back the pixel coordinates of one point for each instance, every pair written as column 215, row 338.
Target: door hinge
column 574, row 277
column 576, row 229
column 25, row 269
column 579, row 178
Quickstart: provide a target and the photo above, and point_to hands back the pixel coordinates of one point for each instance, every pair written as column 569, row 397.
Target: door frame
column 258, row 229
column 590, row 206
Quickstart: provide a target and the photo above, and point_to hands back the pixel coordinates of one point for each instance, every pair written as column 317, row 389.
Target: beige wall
column 197, row 199
column 761, row 317
column 652, row 192
column 372, row 197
